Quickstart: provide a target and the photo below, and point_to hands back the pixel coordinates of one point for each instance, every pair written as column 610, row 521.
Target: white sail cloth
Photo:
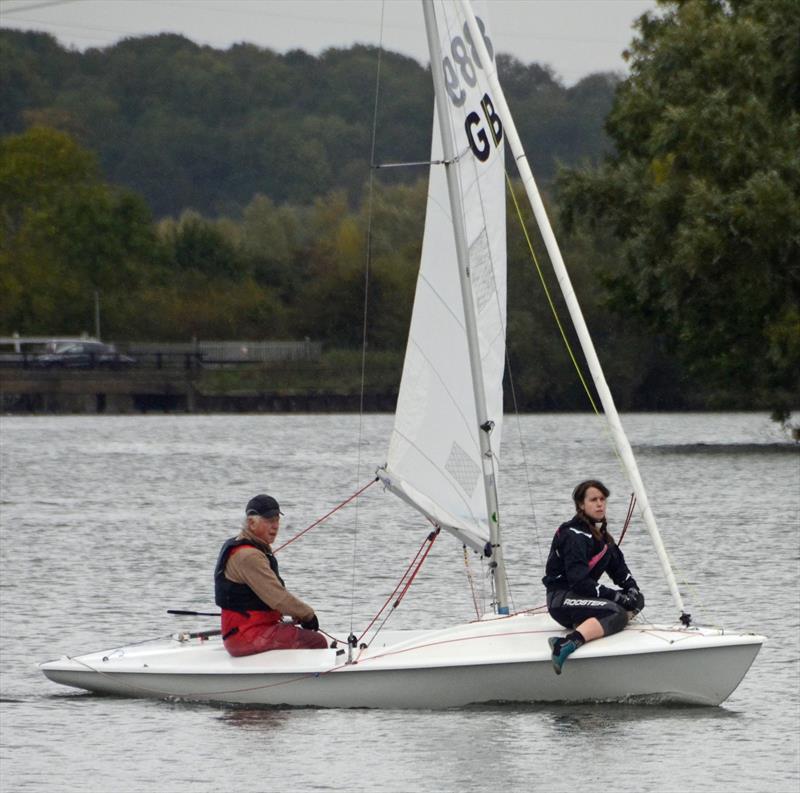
column 434, row 460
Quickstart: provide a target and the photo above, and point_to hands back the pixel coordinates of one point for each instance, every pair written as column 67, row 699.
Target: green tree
column 33, row 68
column 703, row 192
column 64, row 234
column 271, row 239
column 541, row 370
column 395, row 245
column 331, row 304
column 194, row 243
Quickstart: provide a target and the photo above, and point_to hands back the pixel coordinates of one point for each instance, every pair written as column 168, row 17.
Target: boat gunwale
column 405, row 655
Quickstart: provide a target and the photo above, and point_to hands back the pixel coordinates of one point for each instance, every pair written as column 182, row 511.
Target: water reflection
column 785, row 447
column 254, row 718
column 607, row 717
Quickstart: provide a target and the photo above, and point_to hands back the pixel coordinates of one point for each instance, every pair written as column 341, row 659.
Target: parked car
column 83, row 355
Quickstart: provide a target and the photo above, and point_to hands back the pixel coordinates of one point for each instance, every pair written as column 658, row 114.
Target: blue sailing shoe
column 562, row 649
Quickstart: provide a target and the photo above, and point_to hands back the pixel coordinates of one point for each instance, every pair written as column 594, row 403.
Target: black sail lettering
column 476, row 135
column 492, row 119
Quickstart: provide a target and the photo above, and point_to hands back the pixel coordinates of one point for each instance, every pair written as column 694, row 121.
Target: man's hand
column 311, row 625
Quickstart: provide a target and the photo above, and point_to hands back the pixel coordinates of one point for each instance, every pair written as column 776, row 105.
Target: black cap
column 265, row 506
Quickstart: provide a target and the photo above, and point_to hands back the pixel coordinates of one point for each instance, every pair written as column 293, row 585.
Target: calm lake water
column 108, row 521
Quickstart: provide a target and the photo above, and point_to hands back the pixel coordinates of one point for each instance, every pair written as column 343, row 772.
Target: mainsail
column 435, row 459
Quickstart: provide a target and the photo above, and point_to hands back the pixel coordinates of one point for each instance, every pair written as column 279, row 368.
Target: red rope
column 430, row 540
column 325, row 517
column 628, row 517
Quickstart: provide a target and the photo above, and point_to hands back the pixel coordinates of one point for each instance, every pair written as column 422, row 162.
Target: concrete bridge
column 97, row 390
column 165, row 390
column 164, row 377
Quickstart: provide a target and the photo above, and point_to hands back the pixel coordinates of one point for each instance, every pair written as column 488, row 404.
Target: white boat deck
column 500, row 659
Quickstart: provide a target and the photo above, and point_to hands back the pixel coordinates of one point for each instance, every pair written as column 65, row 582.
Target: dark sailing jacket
column 239, row 597
column 577, row 560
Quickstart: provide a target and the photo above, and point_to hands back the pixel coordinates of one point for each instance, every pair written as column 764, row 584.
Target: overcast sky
column 574, row 37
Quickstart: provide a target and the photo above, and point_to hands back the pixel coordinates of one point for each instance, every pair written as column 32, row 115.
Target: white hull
column 503, row 659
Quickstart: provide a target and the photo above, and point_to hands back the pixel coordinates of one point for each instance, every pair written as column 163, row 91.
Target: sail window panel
column 463, row 469
column 481, row 273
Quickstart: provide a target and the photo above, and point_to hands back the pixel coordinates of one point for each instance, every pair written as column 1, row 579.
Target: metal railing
column 25, row 353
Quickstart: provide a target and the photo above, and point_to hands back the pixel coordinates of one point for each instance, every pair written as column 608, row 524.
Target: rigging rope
column 368, row 256
column 429, row 539
column 325, row 517
column 628, row 517
column 525, row 465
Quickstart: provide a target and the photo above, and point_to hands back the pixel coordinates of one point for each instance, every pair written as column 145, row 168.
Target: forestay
column 435, row 460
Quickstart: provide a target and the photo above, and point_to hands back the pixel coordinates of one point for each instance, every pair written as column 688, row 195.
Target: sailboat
column 443, row 460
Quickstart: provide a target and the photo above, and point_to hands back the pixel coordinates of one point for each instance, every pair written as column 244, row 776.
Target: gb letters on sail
column 435, row 460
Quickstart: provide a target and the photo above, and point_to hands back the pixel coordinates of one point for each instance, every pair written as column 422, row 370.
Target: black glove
column 631, row 599
column 311, row 625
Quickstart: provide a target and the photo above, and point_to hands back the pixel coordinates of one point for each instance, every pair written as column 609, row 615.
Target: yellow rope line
column 558, row 320
column 549, row 297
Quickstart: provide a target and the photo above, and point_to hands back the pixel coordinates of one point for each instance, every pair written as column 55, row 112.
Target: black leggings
column 570, row 610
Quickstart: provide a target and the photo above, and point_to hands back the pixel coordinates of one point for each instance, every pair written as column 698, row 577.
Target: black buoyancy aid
column 239, row 597
column 597, row 562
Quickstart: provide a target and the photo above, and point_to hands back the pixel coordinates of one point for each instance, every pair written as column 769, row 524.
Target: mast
column 484, row 423
column 617, row 432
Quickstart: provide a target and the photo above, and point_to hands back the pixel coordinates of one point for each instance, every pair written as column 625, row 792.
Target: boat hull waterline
column 503, row 659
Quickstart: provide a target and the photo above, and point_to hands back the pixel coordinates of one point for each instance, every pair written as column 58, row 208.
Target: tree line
column 191, row 127
column 682, row 239
column 701, row 196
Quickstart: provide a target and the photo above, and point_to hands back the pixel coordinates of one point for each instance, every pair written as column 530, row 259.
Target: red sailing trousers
column 260, row 631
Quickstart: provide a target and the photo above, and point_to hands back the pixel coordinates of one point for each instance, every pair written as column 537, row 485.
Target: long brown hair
column 578, row 496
